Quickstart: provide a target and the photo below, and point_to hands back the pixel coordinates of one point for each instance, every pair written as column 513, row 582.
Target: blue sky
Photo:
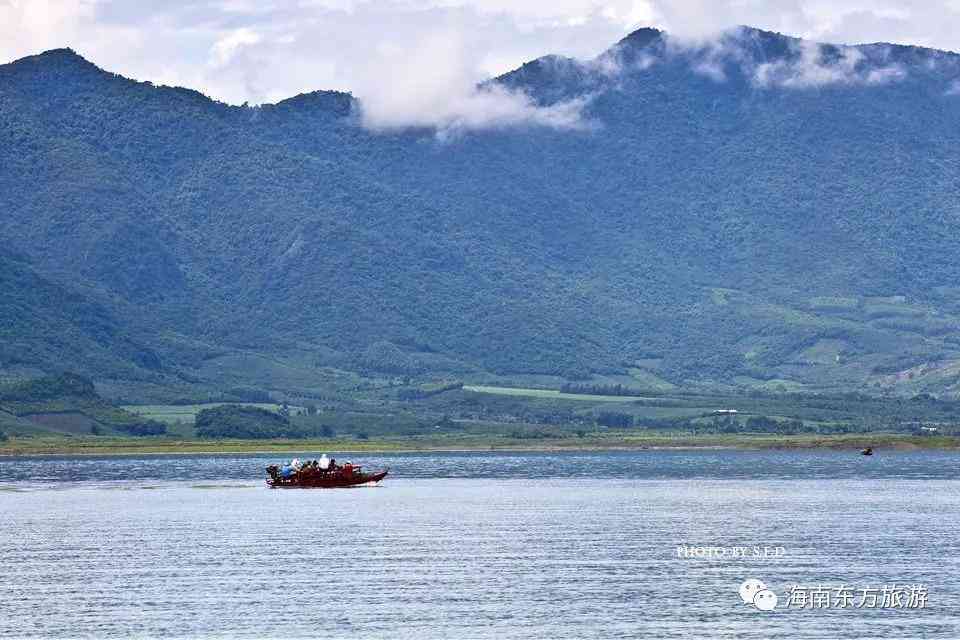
column 413, row 60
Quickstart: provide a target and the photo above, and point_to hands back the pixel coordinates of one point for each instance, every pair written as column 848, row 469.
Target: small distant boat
column 867, row 452
column 310, row 476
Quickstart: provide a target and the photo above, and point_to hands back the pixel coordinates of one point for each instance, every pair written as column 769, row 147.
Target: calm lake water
column 477, row 546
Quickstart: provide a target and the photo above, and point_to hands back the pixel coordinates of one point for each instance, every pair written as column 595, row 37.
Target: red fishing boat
column 312, row 476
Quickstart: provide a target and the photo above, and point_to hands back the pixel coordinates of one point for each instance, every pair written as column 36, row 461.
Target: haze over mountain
column 754, row 210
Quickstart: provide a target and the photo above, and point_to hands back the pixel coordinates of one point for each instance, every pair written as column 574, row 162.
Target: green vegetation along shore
column 65, row 414
column 588, row 442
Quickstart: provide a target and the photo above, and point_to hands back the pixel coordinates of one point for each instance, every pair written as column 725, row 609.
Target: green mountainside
column 43, row 322
column 66, row 404
column 744, row 215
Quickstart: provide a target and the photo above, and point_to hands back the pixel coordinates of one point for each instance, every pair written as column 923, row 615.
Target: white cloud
column 710, row 68
column 887, row 74
column 226, row 48
column 396, row 93
column 818, row 66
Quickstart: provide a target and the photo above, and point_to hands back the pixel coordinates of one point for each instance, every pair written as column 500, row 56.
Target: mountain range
column 754, row 211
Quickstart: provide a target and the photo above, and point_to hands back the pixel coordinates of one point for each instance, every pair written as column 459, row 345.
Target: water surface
column 475, row 546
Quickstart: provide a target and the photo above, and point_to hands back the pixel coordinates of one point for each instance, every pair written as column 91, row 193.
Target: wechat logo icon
column 755, row 593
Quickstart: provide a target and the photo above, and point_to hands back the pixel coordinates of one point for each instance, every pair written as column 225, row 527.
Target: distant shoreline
column 17, row 447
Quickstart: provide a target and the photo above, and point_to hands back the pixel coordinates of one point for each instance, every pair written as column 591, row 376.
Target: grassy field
column 470, row 442
column 185, row 413
column 551, row 394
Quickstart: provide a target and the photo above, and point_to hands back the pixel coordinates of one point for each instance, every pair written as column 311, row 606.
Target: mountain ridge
column 641, row 38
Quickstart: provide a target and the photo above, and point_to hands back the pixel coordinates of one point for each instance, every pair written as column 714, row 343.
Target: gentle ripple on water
column 474, row 546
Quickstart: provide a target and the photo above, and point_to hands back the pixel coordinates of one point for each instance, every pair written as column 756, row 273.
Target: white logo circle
column 765, row 600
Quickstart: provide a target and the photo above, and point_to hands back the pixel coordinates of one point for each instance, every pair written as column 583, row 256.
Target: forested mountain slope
column 753, row 209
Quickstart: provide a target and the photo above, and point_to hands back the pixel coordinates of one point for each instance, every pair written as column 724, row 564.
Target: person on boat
column 348, row 468
column 333, row 464
column 324, row 463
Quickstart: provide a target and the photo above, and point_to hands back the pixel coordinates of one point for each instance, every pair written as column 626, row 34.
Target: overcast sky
column 400, row 55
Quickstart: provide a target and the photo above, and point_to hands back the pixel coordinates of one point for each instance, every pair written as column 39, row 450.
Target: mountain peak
column 642, row 37
column 65, row 53
column 338, row 103
column 61, row 58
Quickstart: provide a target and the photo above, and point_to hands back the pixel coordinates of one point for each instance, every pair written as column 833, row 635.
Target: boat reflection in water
column 322, row 473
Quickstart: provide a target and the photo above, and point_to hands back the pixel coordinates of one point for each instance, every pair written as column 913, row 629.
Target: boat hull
column 326, row 480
